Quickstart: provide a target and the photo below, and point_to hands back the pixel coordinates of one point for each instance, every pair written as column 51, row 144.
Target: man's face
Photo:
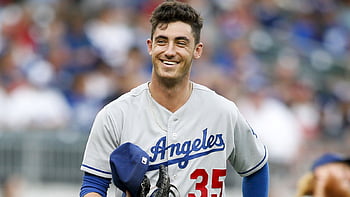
column 332, row 179
column 173, row 49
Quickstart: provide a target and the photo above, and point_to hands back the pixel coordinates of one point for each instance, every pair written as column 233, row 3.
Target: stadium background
column 285, row 63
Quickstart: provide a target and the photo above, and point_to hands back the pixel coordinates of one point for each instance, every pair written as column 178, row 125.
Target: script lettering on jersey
column 188, row 150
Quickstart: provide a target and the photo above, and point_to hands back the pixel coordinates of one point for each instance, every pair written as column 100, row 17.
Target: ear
column 198, row 51
column 149, row 46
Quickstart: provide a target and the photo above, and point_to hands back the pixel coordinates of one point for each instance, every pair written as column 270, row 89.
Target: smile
column 169, row 63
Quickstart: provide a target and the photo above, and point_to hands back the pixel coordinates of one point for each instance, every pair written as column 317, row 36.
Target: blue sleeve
column 257, row 184
column 93, row 183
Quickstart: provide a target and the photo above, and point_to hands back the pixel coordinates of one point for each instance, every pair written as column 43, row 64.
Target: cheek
column 155, row 51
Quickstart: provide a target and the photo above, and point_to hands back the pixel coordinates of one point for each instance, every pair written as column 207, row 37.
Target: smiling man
column 189, row 132
column 173, row 49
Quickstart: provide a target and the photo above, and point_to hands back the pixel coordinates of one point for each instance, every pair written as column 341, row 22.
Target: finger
column 128, row 194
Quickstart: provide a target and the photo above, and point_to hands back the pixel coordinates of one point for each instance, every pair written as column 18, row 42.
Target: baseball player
column 180, row 124
column 329, row 176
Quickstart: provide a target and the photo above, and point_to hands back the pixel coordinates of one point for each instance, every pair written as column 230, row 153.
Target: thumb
column 128, row 194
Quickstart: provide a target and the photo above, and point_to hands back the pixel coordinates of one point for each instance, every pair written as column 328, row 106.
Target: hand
column 128, row 194
column 92, row 194
column 332, row 180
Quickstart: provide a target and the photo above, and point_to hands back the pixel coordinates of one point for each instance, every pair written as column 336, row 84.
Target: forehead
column 174, row 30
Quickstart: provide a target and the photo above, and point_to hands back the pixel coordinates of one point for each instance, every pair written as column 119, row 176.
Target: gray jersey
column 194, row 142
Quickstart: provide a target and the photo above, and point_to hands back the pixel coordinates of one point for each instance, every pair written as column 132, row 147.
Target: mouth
column 169, row 63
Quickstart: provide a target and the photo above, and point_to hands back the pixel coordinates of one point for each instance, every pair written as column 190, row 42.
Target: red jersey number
column 202, row 186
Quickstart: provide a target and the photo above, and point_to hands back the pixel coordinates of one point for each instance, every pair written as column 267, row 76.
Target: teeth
column 170, row 63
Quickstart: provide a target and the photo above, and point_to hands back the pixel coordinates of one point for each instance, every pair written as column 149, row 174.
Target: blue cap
column 329, row 158
column 129, row 164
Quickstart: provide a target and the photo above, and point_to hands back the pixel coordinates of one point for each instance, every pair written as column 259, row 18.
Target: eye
column 181, row 43
column 161, row 41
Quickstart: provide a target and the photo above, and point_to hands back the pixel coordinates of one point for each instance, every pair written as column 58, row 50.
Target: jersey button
column 175, row 119
column 174, row 135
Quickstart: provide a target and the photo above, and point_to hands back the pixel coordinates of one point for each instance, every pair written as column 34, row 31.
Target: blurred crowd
column 285, row 64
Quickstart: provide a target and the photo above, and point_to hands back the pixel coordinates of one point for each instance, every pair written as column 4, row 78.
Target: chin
column 169, row 82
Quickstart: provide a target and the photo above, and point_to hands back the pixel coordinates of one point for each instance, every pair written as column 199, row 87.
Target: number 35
column 202, row 186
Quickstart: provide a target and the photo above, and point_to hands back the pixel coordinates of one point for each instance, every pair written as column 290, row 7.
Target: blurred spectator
column 134, row 71
column 329, row 177
column 305, row 109
column 64, row 41
column 34, row 108
column 273, row 121
column 62, row 60
column 3, row 106
column 277, row 127
column 12, row 186
column 111, row 35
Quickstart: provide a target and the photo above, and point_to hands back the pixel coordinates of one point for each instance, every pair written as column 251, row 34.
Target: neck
column 172, row 98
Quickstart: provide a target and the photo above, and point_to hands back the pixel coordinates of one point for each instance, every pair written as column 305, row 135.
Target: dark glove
column 163, row 183
column 144, row 187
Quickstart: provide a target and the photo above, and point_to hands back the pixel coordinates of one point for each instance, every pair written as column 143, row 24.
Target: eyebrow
column 160, row 37
column 177, row 38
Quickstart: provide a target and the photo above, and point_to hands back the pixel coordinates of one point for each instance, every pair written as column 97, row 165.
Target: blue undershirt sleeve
column 257, row 184
column 93, row 183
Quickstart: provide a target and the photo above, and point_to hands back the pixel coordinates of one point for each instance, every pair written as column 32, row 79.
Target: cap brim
column 329, row 158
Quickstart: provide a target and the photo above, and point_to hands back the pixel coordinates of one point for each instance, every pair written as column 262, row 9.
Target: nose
column 170, row 51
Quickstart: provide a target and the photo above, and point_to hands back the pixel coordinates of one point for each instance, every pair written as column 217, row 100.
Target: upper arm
column 102, row 141
column 250, row 154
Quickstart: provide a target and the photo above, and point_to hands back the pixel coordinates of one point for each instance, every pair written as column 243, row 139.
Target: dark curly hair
column 173, row 11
